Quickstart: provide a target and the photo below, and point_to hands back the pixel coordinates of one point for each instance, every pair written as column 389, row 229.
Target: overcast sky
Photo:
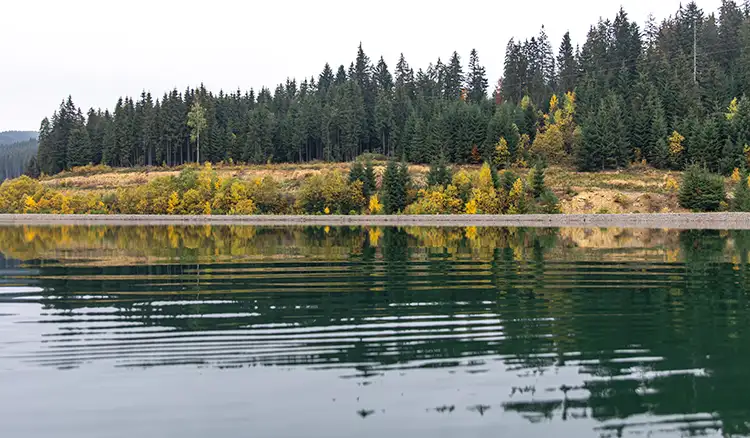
column 99, row 50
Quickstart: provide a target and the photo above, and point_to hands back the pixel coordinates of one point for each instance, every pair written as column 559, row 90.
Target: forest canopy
column 17, row 157
column 628, row 93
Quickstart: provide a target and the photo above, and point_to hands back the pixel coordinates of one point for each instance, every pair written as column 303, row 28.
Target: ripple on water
column 545, row 332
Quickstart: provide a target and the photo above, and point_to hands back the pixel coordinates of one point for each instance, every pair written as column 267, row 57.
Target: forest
column 17, row 150
column 670, row 93
column 8, row 137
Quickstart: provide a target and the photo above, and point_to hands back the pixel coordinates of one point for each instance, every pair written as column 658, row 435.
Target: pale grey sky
column 99, row 50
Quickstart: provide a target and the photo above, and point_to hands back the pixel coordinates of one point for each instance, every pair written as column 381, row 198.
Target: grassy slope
column 635, row 190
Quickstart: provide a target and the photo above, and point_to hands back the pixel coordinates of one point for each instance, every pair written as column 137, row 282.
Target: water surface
column 340, row 332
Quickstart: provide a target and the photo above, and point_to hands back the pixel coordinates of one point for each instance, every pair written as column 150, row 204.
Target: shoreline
column 716, row 221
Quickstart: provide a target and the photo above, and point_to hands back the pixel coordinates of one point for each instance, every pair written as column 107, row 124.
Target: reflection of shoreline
column 723, row 221
column 111, row 245
column 625, row 327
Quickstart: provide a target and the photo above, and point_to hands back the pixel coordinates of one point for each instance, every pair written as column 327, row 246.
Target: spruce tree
column 44, row 151
column 453, row 78
column 384, row 123
column 32, row 168
column 356, row 172
column 369, row 181
column 79, row 147
column 537, row 184
column 741, row 201
column 439, row 174
column 590, row 154
column 701, row 190
column 476, row 79
column 395, row 182
column 566, row 65
column 501, row 125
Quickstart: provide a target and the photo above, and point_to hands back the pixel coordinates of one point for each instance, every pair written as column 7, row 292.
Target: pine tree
column 741, row 200
column 538, row 187
column 395, row 183
column 501, row 125
column 369, row 181
column 325, row 80
column 567, row 68
column 384, row 123
column 590, row 155
column 453, row 78
column 515, row 72
column 32, row 168
column 79, row 147
column 382, row 77
column 476, row 79
column 617, row 151
column 439, row 174
column 356, row 172
column 44, row 152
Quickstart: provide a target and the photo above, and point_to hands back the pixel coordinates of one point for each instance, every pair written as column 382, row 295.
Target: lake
column 239, row 331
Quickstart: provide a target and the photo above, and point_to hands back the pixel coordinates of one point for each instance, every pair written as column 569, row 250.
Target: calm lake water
column 342, row 332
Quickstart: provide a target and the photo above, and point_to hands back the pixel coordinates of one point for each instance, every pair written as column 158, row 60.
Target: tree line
column 15, row 158
column 627, row 94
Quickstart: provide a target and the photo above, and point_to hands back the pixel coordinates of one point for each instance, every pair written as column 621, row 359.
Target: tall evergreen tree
column 453, row 77
column 476, row 79
column 566, row 63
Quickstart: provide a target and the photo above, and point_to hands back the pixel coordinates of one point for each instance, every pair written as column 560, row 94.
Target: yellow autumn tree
column 471, row 207
column 553, row 104
column 550, row 144
column 192, row 202
column 486, row 201
column 671, row 184
column 675, row 145
column 517, row 198
column 436, row 200
column 30, row 205
column 462, row 182
column 501, row 155
column 243, row 207
column 555, row 137
column 484, row 181
column 732, row 109
column 173, row 204
column 735, row 175
column 374, row 206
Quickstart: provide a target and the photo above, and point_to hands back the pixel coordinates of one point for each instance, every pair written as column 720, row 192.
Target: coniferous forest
column 17, row 158
column 670, row 93
column 18, row 151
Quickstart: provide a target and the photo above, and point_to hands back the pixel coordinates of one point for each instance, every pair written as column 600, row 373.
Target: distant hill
column 14, row 157
column 9, row 137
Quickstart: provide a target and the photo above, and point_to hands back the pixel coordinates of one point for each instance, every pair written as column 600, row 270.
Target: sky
column 97, row 50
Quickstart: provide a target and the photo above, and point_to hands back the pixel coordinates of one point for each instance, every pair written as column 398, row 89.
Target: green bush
column 268, row 197
column 548, row 203
column 701, row 190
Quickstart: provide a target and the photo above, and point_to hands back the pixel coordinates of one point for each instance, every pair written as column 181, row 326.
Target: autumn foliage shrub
column 437, row 200
column 268, row 196
column 330, row 193
column 202, row 191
